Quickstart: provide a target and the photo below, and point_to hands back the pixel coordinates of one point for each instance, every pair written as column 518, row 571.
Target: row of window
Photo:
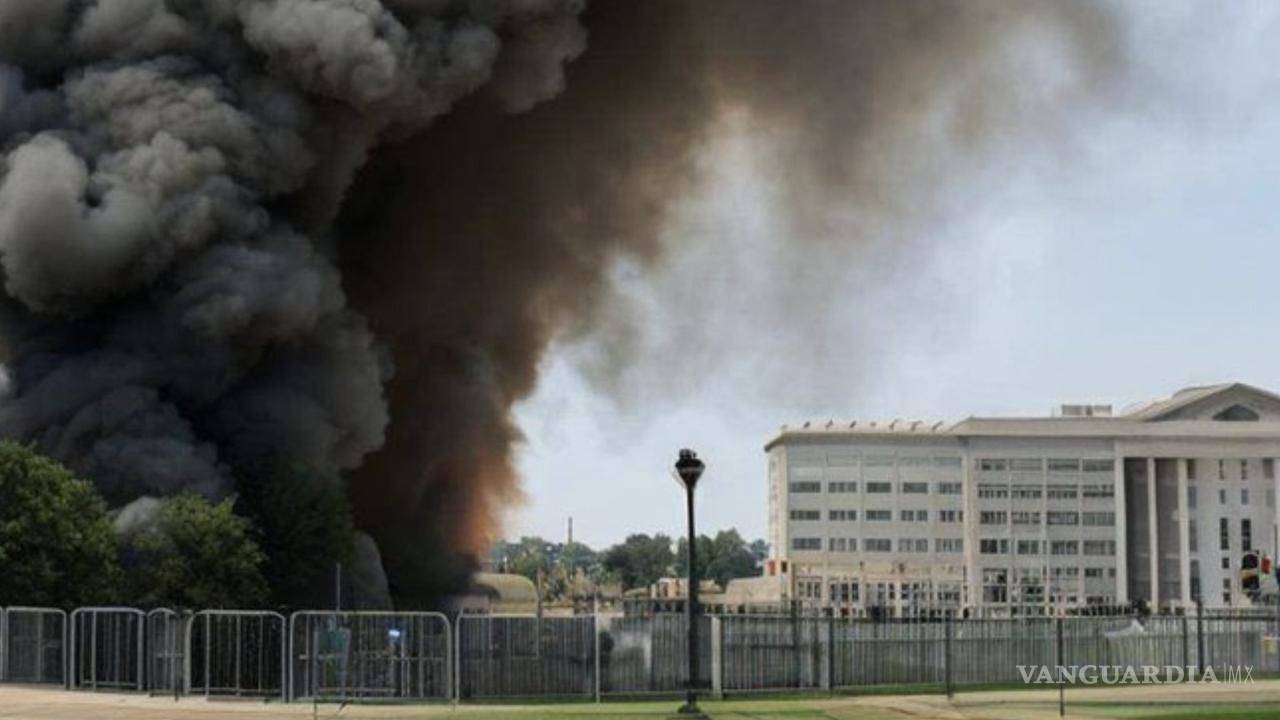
column 1032, row 517
column 1268, row 469
column 1054, row 465
column 874, row 487
column 1222, row 497
column 847, row 515
column 1246, row 534
column 1001, row 546
column 994, row 491
column 883, row 460
column 881, row 545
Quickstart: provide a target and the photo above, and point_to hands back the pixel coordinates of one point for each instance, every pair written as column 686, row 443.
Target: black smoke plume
column 345, row 232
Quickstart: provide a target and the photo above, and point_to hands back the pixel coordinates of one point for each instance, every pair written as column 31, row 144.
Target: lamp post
column 688, row 469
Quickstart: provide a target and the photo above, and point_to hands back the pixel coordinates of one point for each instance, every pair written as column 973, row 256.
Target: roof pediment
column 1229, row 402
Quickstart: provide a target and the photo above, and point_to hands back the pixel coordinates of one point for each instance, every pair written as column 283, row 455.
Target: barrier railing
column 166, row 652
column 107, row 648
column 389, row 656
column 525, row 656
column 33, row 646
column 369, row 656
column 237, row 652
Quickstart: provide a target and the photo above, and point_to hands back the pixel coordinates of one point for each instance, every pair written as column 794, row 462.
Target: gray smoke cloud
column 345, row 232
column 173, row 309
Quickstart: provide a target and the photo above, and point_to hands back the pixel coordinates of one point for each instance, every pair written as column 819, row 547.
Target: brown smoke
column 474, row 246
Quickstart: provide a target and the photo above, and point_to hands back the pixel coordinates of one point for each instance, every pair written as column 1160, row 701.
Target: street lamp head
column 689, row 468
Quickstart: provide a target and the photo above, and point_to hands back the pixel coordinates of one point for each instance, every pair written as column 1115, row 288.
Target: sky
column 1134, row 257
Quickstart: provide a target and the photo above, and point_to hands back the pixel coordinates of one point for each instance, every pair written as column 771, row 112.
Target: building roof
column 1169, row 418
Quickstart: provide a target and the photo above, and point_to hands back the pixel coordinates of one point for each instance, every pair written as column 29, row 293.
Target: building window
column 993, row 517
column 1062, row 492
column 1244, row 469
column 1099, row 491
column 882, row 545
column 1269, row 468
column 915, row 488
column 1061, row 465
column 1191, row 497
column 914, row 516
column 842, row 487
column 878, row 515
column 950, row 488
column 1191, row 469
column 1028, row 547
column 995, row 586
column 992, row 465
column 991, row 492
column 1244, row 496
column 1026, row 518
column 913, row 545
column 1222, row 497
column 879, row 488
column 1224, row 534
column 806, row 543
column 1093, row 572
column 1246, row 534
column 1064, row 547
column 1098, row 465
column 1099, row 547
column 806, row 487
column 1064, row 518
column 950, row 516
column 1099, row 519
column 837, row 544
column 806, row 514
column 1193, row 536
column 842, row 515
column 993, row 546
column 1026, row 492
column 1222, row 469
column 950, row 545
column 1226, row 562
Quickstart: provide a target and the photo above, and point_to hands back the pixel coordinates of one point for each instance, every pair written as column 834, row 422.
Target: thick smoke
column 344, row 232
column 489, row 236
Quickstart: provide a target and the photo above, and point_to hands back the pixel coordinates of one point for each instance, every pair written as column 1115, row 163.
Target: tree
column 194, row 554
column 57, row 546
column 557, row 562
column 640, row 560
column 304, row 526
column 722, row 558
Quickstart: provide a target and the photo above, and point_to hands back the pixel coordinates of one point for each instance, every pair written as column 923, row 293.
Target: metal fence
column 387, row 656
column 166, row 651
column 237, row 652
column 521, row 656
column 640, row 655
column 107, row 648
column 33, row 646
column 369, row 656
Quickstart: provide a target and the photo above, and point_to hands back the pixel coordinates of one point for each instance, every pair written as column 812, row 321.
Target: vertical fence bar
column 946, row 657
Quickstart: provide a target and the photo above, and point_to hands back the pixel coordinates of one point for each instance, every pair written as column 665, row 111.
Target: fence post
column 717, row 657
column 1062, row 699
column 1200, row 636
column 831, row 653
column 946, row 656
column 595, row 628
column 1186, row 645
column 4, row 642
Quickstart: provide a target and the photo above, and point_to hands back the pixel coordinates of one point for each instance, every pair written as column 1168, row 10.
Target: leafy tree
column 304, row 526
column 557, row 562
column 57, row 546
column 759, row 550
column 722, row 558
column 194, row 554
column 640, row 560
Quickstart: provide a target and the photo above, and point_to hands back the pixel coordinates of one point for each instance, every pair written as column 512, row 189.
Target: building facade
column 1018, row 516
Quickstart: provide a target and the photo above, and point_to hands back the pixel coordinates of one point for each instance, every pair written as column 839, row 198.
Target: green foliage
column 304, row 525
column 723, row 558
column 558, row 563
column 640, row 560
column 57, row 546
column 194, row 554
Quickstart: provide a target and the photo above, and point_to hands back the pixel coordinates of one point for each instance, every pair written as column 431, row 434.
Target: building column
column 1122, row 532
column 1184, row 534
column 1153, row 535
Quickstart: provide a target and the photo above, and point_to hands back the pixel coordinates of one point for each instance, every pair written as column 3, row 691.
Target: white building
column 1003, row 516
